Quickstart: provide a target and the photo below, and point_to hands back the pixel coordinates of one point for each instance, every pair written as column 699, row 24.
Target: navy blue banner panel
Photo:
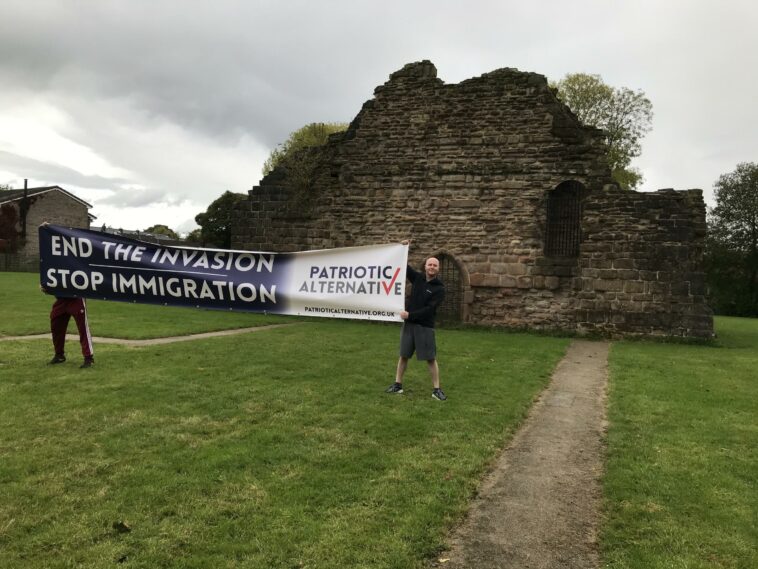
column 91, row 264
column 354, row 282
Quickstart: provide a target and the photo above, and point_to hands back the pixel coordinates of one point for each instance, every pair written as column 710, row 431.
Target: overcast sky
column 151, row 109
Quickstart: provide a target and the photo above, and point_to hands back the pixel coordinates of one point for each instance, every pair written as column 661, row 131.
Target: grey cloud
column 221, row 73
column 229, row 69
column 52, row 174
column 133, row 197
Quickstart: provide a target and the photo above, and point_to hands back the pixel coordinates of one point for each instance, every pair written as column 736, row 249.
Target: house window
column 564, row 219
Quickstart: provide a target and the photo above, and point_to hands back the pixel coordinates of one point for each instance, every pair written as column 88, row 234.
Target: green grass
column 276, row 449
column 27, row 311
column 682, row 468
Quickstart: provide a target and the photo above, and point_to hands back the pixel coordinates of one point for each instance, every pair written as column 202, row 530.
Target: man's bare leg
column 402, row 364
column 434, row 370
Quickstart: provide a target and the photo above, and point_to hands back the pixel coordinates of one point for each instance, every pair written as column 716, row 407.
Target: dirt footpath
column 156, row 341
column 540, row 506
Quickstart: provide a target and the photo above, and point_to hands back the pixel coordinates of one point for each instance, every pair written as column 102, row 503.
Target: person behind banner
column 62, row 311
column 427, row 293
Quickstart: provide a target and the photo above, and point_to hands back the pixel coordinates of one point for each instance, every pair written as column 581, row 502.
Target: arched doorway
column 451, row 309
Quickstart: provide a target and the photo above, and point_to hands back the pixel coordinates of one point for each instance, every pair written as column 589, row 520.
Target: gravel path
column 540, row 506
column 155, row 341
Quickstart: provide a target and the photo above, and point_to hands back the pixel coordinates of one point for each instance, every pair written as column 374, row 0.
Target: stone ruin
column 497, row 178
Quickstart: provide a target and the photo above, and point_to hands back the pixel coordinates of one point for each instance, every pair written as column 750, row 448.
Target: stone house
column 499, row 179
column 21, row 213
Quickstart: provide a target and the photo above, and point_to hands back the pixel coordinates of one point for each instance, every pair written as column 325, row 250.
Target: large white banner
column 354, row 282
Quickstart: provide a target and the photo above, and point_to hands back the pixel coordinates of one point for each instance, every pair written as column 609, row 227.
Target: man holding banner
column 427, row 293
column 63, row 310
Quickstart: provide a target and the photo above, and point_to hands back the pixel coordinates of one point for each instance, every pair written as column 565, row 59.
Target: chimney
column 24, row 208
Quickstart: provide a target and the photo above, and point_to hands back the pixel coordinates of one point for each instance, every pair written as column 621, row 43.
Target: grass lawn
column 279, row 449
column 681, row 487
column 276, row 449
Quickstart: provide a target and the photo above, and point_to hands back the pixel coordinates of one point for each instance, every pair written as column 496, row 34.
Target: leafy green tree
column 313, row 134
column 160, row 229
column 624, row 115
column 216, row 222
column 732, row 245
column 195, row 237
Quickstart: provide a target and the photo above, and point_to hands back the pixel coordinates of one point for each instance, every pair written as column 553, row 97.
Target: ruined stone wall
column 465, row 170
column 641, row 267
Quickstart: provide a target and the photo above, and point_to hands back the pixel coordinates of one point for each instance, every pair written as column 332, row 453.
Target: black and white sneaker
column 88, row 362
column 57, row 360
column 395, row 388
column 438, row 395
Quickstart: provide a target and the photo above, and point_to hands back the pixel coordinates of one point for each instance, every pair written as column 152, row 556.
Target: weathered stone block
column 515, row 269
column 480, row 268
column 507, row 281
column 628, row 274
column 476, row 279
column 608, row 285
column 680, row 288
column 623, row 264
column 524, row 282
column 491, row 280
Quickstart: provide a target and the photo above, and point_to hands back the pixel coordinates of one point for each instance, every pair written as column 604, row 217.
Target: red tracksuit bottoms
column 63, row 310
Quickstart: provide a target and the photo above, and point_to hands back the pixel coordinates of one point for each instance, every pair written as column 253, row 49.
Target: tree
column 313, row 134
column 624, row 115
column 195, row 236
column 732, row 244
column 216, row 222
column 162, row 230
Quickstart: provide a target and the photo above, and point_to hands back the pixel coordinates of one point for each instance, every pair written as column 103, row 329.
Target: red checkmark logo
column 388, row 287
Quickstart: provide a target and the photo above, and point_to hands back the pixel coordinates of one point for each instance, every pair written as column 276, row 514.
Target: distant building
column 21, row 213
column 155, row 238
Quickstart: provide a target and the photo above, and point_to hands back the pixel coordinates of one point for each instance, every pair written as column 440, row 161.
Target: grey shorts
column 419, row 339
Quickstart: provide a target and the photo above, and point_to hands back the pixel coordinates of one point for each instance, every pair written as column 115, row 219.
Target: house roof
column 14, row 195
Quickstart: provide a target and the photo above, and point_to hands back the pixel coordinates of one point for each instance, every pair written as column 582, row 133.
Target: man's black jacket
column 425, row 297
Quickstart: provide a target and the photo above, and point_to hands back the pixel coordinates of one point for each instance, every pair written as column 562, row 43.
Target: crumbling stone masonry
column 499, row 178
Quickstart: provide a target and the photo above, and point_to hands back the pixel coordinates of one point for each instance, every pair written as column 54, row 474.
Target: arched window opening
column 451, row 309
column 564, row 220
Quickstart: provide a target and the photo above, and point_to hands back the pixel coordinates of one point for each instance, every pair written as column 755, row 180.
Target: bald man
column 427, row 293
